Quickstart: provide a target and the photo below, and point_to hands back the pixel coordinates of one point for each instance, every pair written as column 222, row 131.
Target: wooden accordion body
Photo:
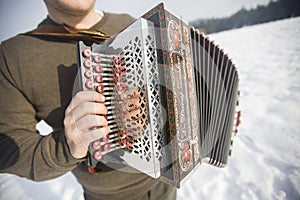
column 189, row 96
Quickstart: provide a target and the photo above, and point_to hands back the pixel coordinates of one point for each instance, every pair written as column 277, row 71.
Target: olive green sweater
column 37, row 75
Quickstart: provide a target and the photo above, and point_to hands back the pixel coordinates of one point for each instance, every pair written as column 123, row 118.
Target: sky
column 18, row 15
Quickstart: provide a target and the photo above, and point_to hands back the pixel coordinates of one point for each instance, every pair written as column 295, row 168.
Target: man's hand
column 84, row 121
column 132, row 105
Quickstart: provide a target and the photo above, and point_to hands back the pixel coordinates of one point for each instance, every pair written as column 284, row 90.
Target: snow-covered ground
column 265, row 163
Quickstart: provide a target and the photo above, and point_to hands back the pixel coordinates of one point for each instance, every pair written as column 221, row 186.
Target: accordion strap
column 63, row 31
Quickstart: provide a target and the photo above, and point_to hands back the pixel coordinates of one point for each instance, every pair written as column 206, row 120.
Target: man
column 37, row 73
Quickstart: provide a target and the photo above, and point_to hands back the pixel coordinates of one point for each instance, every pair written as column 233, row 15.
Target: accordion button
column 97, row 58
column 99, row 79
column 87, row 53
column 100, row 88
column 98, row 68
column 106, row 138
column 107, row 147
column 96, row 145
column 89, row 84
column 87, row 63
column 88, row 74
column 98, row 155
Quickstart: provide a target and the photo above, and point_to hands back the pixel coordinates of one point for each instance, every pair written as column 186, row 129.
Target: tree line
column 275, row 10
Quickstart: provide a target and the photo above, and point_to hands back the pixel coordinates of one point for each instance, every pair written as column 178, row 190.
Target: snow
column 265, row 162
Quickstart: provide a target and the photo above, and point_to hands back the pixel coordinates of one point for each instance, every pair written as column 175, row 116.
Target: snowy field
column 265, row 163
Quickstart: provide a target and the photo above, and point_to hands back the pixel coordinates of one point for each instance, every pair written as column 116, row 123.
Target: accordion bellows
column 189, row 97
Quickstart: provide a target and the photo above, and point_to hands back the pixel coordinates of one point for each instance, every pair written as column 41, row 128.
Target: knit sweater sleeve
column 36, row 82
column 22, row 150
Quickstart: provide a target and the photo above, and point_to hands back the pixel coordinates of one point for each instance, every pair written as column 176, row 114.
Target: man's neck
column 78, row 22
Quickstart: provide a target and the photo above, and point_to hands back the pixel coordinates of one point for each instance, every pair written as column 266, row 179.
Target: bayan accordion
column 188, row 96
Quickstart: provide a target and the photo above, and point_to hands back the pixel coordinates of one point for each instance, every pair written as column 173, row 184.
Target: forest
column 275, row 10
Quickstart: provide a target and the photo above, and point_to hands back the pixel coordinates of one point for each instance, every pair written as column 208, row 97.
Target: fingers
column 78, row 142
column 84, row 122
column 130, row 94
column 129, row 100
column 133, row 122
column 129, row 105
column 133, row 115
column 84, row 103
column 88, row 123
column 94, row 134
column 85, row 96
column 88, row 108
column 131, row 112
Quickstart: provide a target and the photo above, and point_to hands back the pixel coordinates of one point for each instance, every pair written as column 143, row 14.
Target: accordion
column 188, row 94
